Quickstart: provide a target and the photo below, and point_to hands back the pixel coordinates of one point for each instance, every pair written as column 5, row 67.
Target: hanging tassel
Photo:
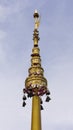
column 48, row 99
column 24, row 97
column 41, row 107
column 23, row 104
column 41, row 102
column 48, row 93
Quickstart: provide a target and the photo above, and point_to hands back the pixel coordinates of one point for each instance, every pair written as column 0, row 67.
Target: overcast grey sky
column 56, row 49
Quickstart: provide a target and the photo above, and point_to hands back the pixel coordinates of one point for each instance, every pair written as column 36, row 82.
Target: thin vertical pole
column 36, row 114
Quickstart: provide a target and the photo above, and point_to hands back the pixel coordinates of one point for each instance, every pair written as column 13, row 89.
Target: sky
column 56, row 50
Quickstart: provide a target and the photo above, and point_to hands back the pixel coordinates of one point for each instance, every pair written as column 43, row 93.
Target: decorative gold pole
column 36, row 83
column 36, row 114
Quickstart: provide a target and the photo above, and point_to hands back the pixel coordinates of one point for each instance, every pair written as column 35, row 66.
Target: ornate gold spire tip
column 36, row 19
column 36, row 83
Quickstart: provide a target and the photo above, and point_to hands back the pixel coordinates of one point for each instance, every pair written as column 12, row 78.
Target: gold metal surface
column 36, row 72
column 37, row 19
column 36, row 114
column 36, row 82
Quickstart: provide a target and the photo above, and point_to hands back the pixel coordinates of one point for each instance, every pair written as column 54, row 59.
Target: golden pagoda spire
column 36, row 83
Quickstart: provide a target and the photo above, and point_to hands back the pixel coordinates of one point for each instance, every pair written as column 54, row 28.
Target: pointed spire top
column 35, row 11
column 36, row 14
column 36, row 19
